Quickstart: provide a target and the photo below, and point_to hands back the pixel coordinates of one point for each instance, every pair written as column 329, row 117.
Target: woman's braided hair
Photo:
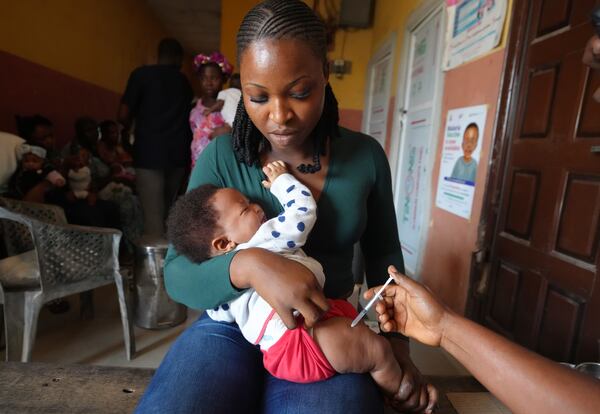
column 282, row 19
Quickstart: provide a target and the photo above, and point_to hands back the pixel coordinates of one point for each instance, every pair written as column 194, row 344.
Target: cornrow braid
column 283, row 19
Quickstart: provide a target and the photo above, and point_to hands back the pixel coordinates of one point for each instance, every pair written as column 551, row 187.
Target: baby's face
column 238, row 218
column 31, row 162
column 469, row 143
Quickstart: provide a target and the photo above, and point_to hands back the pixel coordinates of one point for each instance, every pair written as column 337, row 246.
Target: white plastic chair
column 50, row 259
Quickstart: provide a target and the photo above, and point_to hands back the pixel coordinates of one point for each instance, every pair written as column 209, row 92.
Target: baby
column 32, row 170
column 210, row 221
column 227, row 100
column 80, row 175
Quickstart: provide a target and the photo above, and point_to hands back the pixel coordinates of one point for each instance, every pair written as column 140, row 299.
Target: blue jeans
column 211, row 368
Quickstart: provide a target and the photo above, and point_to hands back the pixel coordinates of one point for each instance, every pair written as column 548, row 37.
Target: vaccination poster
column 474, row 28
column 461, row 156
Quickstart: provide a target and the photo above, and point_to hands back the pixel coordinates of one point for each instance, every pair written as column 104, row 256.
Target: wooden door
column 544, row 289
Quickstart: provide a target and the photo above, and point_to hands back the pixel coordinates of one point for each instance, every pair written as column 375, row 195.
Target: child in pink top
column 213, row 71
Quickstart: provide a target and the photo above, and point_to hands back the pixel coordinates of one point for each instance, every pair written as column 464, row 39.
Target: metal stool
column 154, row 309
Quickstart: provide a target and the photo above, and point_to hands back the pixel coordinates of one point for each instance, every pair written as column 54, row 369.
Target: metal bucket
column 154, row 309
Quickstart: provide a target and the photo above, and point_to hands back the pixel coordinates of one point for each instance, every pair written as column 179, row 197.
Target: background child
column 213, row 70
column 33, row 169
column 465, row 167
column 210, row 221
column 227, row 100
column 80, row 175
column 112, row 153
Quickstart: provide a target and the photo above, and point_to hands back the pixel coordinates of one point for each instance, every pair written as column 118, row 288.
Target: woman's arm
column 524, row 381
column 380, row 243
column 285, row 284
column 37, row 193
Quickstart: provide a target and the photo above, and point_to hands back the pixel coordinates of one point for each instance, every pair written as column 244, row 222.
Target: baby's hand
column 273, row 170
column 56, row 178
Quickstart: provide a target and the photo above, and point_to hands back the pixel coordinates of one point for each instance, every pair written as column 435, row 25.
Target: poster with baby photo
column 460, row 159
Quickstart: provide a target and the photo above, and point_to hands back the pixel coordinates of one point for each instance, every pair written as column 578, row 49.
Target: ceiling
column 195, row 23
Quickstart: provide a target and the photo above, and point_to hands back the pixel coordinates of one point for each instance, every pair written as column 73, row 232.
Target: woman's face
column 88, row 135
column 211, row 80
column 43, row 136
column 110, row 134
column 283, row 85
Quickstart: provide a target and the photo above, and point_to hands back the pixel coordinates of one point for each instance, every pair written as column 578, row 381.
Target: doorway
column 414, row 136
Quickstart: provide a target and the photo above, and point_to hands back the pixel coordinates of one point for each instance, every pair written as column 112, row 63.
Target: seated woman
column 110, row 186
column 86, row 137
column 80, row 202
column 38, row 132
column 112, row 153
column 288, row 112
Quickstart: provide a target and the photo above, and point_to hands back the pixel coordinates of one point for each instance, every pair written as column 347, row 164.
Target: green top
column 356, row 204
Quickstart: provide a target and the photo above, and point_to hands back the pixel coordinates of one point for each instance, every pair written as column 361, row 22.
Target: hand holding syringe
column 370, row 304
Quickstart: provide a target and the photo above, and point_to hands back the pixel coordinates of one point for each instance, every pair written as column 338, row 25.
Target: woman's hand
column 218, row 131
column 285, row 284
column 411, row 309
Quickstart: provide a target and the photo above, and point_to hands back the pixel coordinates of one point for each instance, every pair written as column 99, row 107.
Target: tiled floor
column 68, row 339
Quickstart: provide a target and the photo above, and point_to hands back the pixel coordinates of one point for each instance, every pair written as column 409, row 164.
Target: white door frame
column 418, row 17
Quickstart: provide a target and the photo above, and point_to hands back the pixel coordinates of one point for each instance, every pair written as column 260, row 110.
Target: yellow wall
column 232, row 13
column 360, row 45
column 354, row 45
column 98, row 41
column 350, row 89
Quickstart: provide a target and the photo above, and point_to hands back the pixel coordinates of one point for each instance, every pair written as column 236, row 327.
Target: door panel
column 544, row 289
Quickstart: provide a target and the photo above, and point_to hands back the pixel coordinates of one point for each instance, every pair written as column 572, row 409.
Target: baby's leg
column 359, row 350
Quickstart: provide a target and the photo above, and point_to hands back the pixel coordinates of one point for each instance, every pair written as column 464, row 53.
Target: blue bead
column 301, row 226
column 291, row 202
column 216, row 309
column 306, row 193
column 291, row 244
column 303, row 209
column 291, row 188
column 281, row 218
column 225, row 306
column 275, row 234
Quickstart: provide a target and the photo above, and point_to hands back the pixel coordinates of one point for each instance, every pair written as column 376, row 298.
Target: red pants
column 297, row 357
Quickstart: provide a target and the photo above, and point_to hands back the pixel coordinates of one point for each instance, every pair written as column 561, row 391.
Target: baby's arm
column 290, row 229
column 216, row 107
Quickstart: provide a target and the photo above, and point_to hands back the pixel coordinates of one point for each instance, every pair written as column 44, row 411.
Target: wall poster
column 474, row 28
column 460, row 158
